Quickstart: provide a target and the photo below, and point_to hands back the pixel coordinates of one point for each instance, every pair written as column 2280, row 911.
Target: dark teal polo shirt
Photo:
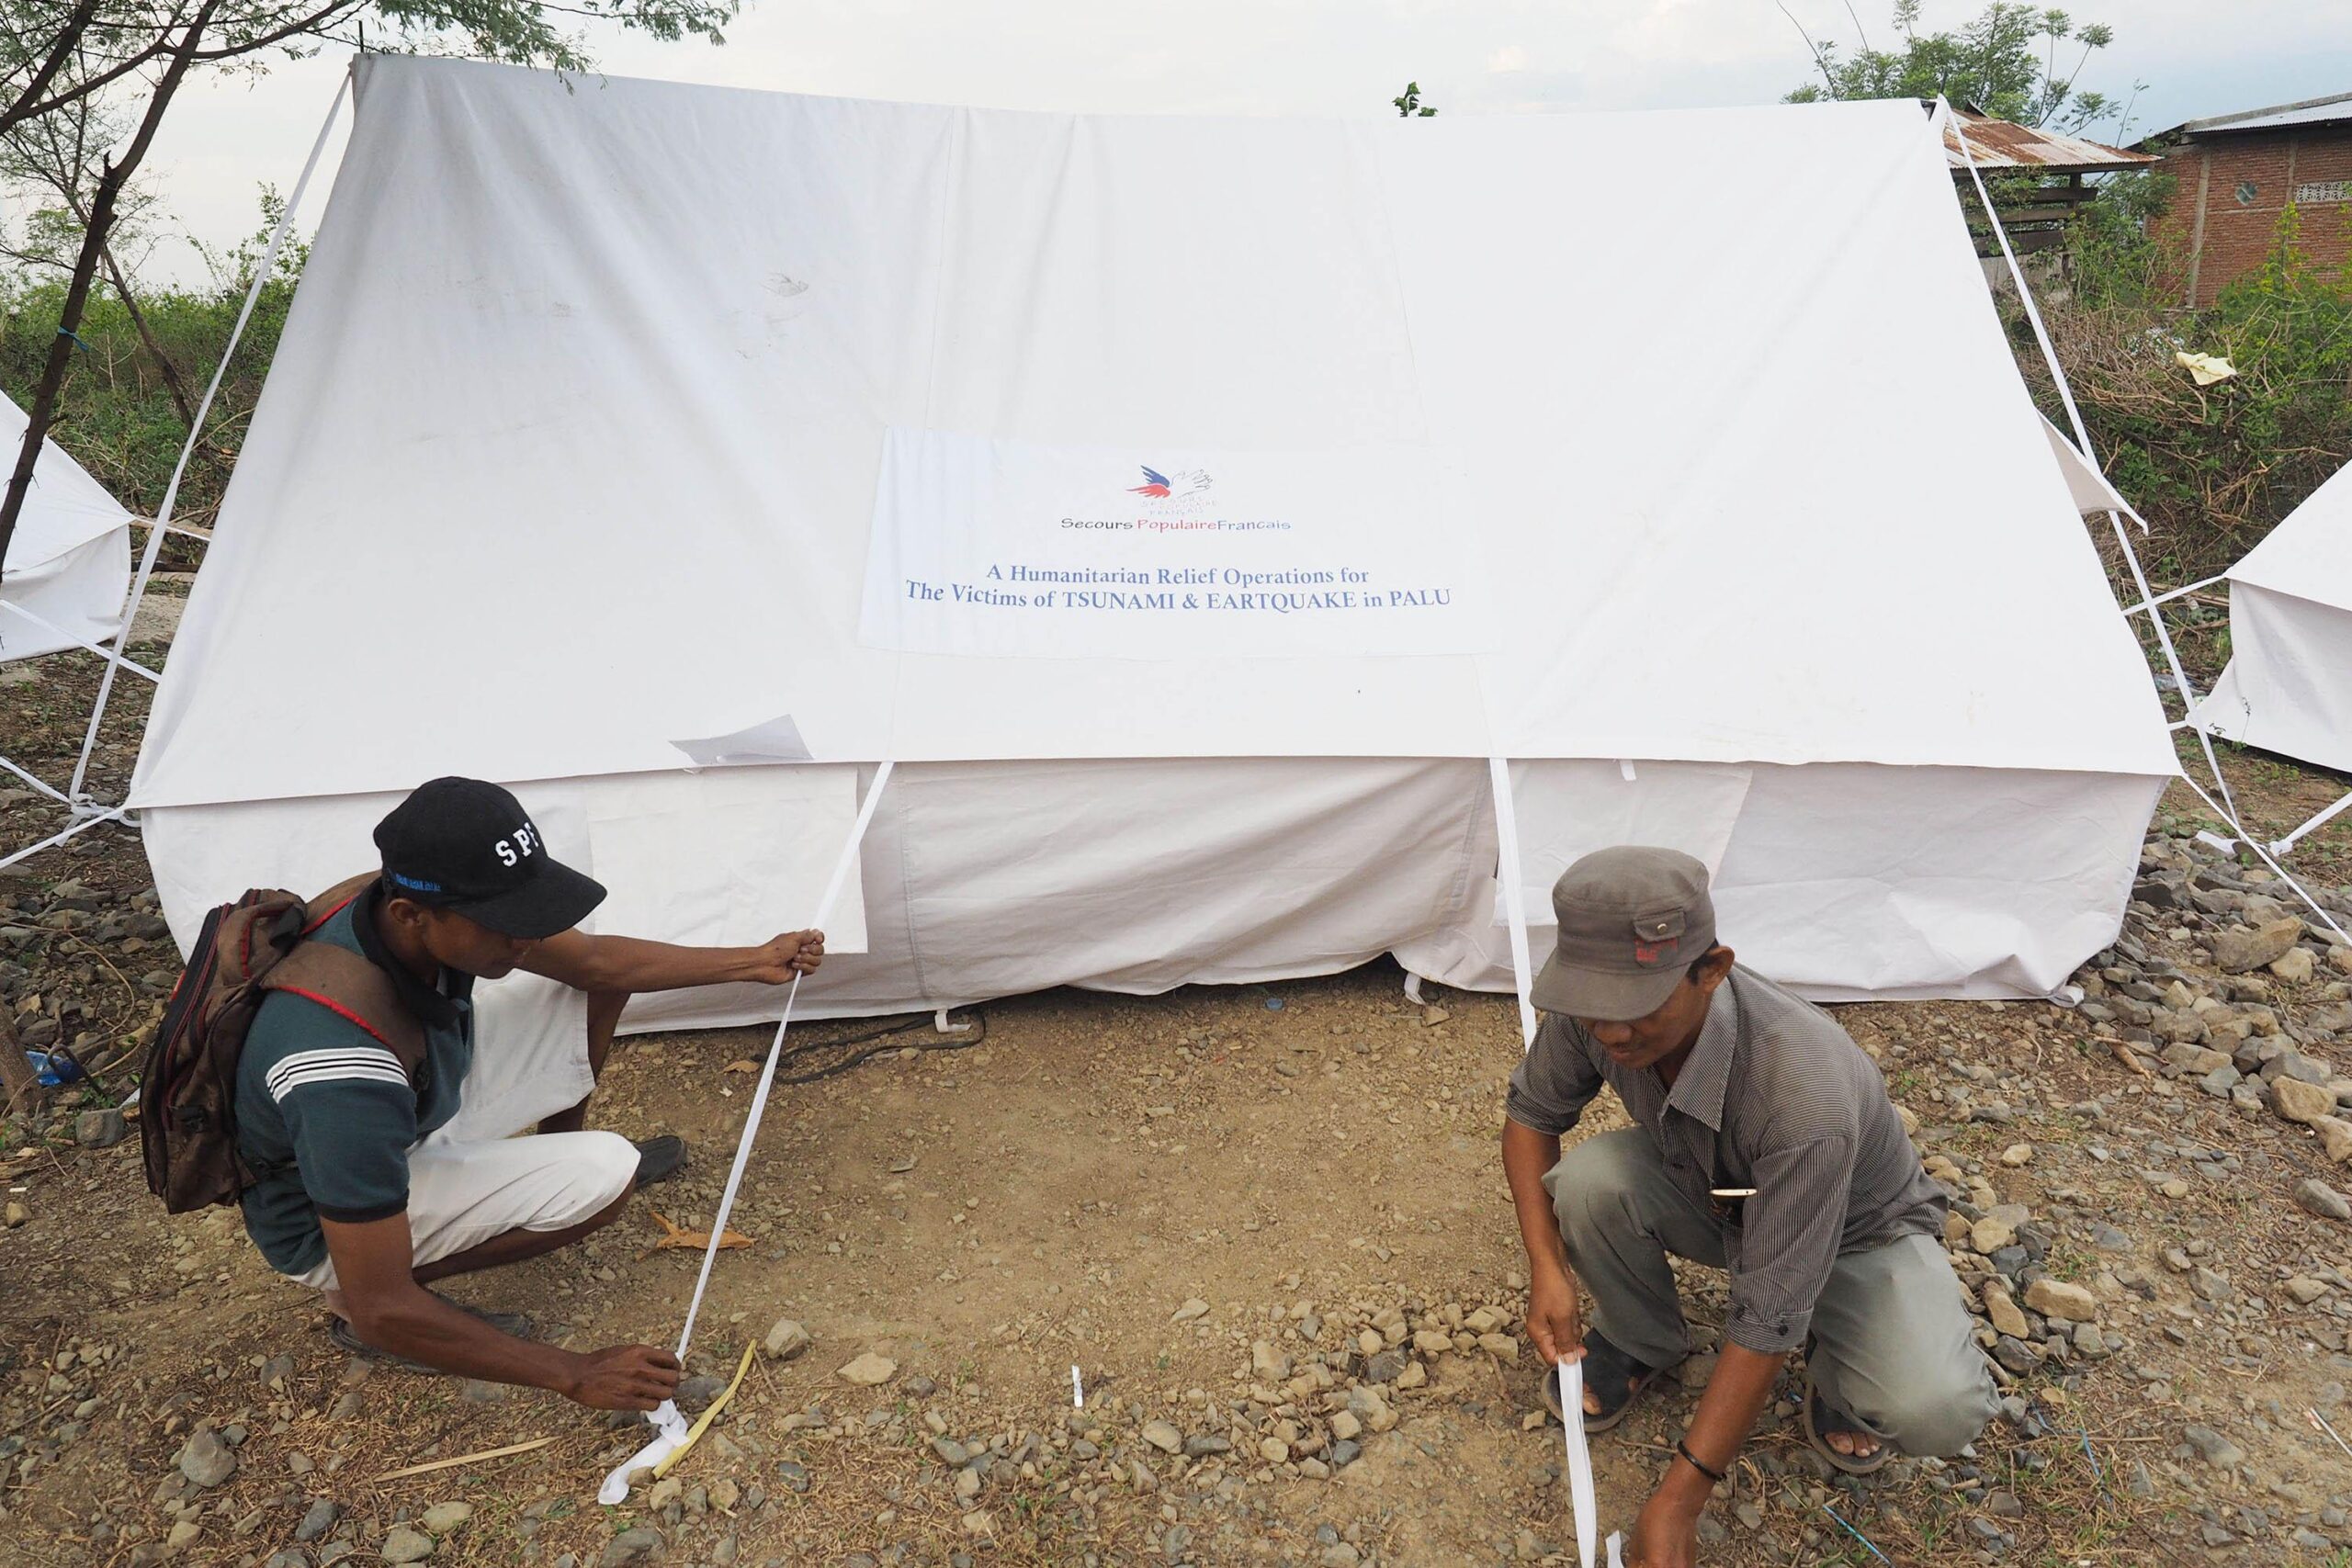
column 326, row 1115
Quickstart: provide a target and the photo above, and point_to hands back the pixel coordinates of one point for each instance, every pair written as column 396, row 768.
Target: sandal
column 1607, row 1370
column 1821, row 1419
column 346, row 1337
column 659, row 1159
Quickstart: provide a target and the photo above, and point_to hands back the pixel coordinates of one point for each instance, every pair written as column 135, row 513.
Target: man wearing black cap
column 1764, row 1145
column 350, row 1196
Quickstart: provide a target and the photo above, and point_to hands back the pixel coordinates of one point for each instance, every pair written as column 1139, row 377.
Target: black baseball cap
column 469, row 847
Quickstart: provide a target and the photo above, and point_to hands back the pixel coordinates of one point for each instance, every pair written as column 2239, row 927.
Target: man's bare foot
column 1853, row 1445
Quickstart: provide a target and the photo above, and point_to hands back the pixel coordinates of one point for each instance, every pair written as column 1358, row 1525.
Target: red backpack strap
column 351, row 987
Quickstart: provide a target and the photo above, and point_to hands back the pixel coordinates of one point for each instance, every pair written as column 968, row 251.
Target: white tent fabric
column 69, row 560
column 2289, row 684
column 576, row 439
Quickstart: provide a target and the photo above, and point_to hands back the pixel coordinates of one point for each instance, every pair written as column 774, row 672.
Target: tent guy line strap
column 84, row 643
column 2226, row 807
column 53, row 794
column 114, row 813
column 2319, row 818
column 2269, row 859
column 2083, row 444
column 671, row 1426
column 162, row 523
column 1507, row 884
column 2147, row 604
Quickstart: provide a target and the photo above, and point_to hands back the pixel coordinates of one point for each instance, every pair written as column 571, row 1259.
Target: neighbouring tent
column 1190, row 506
column 2287, row 687
column 68, row 569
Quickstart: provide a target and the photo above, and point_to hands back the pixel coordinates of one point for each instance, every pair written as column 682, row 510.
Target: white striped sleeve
column 370, row 1064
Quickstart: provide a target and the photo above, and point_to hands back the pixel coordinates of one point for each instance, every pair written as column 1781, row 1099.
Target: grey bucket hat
column 1632, row 920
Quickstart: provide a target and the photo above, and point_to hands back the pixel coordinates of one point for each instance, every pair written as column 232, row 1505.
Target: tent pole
column 163, row 520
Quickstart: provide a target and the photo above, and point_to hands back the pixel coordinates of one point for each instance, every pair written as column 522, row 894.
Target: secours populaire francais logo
column 1157, row 486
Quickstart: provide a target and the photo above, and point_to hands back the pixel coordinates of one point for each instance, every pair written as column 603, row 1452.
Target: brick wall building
column 2236, row 174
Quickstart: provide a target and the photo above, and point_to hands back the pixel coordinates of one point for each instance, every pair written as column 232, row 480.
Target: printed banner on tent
column 1014, row 548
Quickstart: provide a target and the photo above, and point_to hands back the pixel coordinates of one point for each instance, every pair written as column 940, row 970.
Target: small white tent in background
column 69, row 561
column 611, row 414
column 2289, row 684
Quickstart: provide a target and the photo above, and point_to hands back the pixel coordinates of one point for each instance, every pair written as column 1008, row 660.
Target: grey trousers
column 1892, row 1338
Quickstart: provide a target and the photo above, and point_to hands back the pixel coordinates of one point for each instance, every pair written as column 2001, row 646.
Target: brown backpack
column 188, row 1124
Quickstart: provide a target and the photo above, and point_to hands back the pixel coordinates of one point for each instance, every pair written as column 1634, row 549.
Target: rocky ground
column 1266, row 1227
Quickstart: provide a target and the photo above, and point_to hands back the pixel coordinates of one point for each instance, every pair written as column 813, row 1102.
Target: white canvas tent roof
column 592, row 395
column 69, row 560
column 2289, row 684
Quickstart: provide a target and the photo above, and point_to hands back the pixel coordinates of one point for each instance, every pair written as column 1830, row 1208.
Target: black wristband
column 1684, row 1450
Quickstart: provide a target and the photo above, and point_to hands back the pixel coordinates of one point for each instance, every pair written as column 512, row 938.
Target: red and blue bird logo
column 1155, row 485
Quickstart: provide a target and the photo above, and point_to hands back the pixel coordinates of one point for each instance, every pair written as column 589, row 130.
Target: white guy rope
column 2090, row 455
column 113, row 815
column 1579, row 1454
column 2320, row 819
column 45, row 789
column 46, row 625
column 2176, row 594
column 1514, row 912
column 2268, row 859
column 162, row 518
column 668, row 1423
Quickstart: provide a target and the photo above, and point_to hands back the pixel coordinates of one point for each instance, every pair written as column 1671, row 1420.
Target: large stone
column 2294, row 965
column 318, row 1520
column 2214, row 1448
column 2335, row 1136
column 2242, row 948
column 786, row 1339
column 2001, row 1311
column 869, row 1371
column 2059, row 1299
column 630, row 1546
column 405, row 1545
column 2323, row 1200
column 100, row 1129
column 2299, row 1102
column 443, row 1517
column 207, row 1460
column 1163, row 1436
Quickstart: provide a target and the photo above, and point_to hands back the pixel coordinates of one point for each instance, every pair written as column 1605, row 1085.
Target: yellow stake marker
column 694, row 1433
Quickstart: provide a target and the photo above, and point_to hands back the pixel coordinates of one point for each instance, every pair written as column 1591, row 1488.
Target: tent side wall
column 2289, row 684
column 79, row 593
column 990, row 879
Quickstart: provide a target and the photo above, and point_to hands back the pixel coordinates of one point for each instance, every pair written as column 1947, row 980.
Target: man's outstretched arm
column 1667, row 1535
column 633, row 964
column 374, row 1264
column 1555, row 1318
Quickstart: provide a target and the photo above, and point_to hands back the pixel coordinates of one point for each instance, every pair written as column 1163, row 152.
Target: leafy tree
column 1408, row 103
column 117, row 64
column 2009, row 62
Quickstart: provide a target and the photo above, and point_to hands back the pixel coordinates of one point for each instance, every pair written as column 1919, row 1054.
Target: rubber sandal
column 658, row 1159
column 1821, row 1419
column 346, row 1337
column 1605, row 1367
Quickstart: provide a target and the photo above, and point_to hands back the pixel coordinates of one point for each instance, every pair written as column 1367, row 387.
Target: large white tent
column 613, row 413
column 69, row 560
column 2289, row 684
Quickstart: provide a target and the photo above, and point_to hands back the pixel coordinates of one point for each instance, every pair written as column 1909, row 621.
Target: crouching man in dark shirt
column 1763, row 1143
column 354, row 1194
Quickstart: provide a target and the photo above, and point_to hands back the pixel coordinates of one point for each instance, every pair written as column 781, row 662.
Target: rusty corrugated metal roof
column 2001, row 144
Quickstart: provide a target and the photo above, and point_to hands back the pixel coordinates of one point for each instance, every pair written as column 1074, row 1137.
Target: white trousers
column 460, row 1195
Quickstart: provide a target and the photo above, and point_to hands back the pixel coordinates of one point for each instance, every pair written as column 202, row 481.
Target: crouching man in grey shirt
column 1764, row 1145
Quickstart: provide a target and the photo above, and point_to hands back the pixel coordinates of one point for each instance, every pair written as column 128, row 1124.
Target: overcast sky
column 1314, row 57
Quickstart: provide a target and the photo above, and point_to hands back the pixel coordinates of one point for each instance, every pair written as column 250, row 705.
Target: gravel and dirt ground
column 1267, row 1226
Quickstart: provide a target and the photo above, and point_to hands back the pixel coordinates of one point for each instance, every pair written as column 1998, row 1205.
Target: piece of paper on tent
column 744, row 858
column 1567, row 809
column 771, row 740
column 1023, row 548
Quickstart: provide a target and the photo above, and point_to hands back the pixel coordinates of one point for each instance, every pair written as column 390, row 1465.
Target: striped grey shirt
column 1777, row 1096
